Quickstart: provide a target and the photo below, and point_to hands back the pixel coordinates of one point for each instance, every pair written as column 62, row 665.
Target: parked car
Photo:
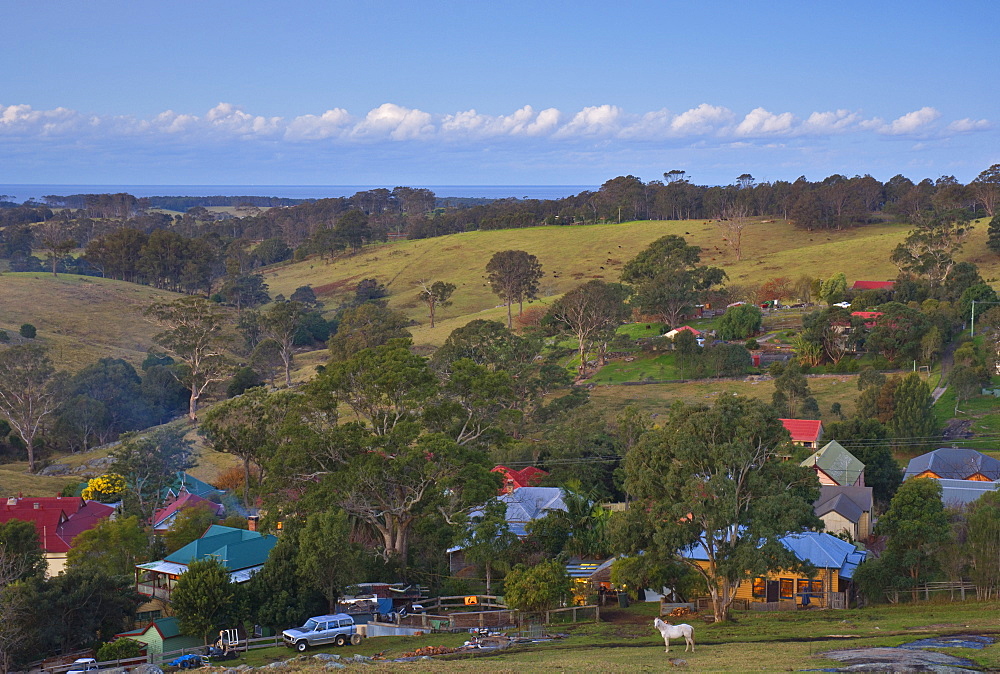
column 83, row 666
column 337, row 629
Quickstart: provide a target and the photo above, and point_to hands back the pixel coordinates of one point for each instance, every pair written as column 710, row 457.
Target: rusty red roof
column 873, row 285
column 803, row 430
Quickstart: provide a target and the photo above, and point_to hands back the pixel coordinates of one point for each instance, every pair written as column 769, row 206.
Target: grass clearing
column 625, row 641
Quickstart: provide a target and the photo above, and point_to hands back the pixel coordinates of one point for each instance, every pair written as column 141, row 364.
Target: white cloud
column 600, row 120
column 394, row 122
column 760, row 122
column 911, row 122
column 822, row 123
column 968, row 125
column 703, row 120
column 331, row 124
column 390, row 122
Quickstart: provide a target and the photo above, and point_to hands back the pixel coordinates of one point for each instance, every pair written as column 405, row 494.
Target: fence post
column 597, row 614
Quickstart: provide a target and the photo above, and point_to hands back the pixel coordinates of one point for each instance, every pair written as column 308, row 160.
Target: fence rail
column 955, row 589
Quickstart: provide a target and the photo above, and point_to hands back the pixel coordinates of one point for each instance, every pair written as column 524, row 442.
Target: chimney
column 38, row 506
column 12, row 501
column 252, row 522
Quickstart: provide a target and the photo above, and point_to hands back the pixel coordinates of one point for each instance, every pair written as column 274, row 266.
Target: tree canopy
column 713, row 477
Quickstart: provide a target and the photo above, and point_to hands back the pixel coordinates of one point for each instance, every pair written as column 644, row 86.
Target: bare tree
column 735, row 218
column 589, row 310
column 280, row 322
column 27, row 396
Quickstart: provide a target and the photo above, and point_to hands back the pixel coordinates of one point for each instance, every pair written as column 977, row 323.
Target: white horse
column 675, row 632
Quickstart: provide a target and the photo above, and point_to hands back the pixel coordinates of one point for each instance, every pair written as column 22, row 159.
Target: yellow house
column 834, row 559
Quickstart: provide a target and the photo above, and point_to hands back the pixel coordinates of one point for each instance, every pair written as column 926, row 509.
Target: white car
column 83, row 666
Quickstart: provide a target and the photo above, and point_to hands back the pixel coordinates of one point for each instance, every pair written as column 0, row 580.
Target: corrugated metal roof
column 803, row 430
column 842, row 466
column 818, row 548
column 954, row 463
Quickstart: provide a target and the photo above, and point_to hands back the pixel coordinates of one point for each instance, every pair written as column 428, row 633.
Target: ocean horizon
column 22, row 193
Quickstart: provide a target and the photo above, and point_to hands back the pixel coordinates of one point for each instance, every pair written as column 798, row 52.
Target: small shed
column 161, row 636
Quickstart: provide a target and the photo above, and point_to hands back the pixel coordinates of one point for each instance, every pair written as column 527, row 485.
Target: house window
column 814, row 588
column 145, row 617
column 759, row 587
column 787, row 588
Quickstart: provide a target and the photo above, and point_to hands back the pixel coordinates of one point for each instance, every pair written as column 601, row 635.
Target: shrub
column 116, row 650
column 28, row 331
column 538, row 588
column 4, row 336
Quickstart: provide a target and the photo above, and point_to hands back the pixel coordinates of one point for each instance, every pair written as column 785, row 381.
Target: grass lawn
column 625, row 641
column 656, row 398
column 659, row 367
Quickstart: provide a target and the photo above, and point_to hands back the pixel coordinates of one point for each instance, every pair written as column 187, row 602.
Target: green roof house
column 161, row 636
column 242, row 552
column 836, row 467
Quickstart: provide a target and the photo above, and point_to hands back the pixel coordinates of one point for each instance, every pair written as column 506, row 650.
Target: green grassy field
column 625, row 641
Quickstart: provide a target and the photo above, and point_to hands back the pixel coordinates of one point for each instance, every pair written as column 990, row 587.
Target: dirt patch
column 957, row 429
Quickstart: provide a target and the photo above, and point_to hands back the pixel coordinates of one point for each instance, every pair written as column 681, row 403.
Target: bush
column 740, row 322
column 28, row 331
column 116, row 650
column 4, row 336
column 538, row 588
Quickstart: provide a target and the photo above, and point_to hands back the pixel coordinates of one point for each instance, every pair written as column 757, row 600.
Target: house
column 524, row 505
column 162, row 635
column 58, row 520
column 963, row 492
column 952, row 463
column 834, row 560
column 698, row 335
column 164, row 518
column 804, row 432
column 185, row 483
column 869, row 318
column 873, row 285
column 515, row 479
column 846, row 509
column 835, row 466
column 242, row 552
column 964, row 474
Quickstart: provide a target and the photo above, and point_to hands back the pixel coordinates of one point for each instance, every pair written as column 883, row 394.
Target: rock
column 147, row 669
column 335, row 665
column 55, row 469
column 677, row 662
column 362, row 658
column 326, row 656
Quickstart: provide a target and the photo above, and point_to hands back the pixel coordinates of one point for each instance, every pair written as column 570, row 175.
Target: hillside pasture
column 81, row 318
column 571, row 255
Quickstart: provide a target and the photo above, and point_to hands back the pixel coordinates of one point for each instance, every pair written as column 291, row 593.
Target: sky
column 397, row 92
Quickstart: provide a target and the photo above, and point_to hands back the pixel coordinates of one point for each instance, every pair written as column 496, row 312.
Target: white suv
column 335, row 629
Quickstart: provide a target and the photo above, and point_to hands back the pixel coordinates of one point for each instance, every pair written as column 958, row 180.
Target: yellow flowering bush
column 105, row 488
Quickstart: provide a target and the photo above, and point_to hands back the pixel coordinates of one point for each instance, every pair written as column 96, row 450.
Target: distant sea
column 21, row 193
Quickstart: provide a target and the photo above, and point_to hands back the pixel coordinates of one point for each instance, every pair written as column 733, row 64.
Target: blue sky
column 431, row 92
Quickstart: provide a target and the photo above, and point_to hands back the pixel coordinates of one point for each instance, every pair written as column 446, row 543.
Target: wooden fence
column 955, row 591
column 836, row 600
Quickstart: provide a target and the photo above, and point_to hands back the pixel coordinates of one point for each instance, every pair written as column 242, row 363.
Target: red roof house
column 804, row 432
column 163, row 519
column 58, row 520
column 873, row 285
column 515, row 479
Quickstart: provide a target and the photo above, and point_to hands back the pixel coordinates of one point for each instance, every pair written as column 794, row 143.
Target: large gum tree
column 712, row 477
